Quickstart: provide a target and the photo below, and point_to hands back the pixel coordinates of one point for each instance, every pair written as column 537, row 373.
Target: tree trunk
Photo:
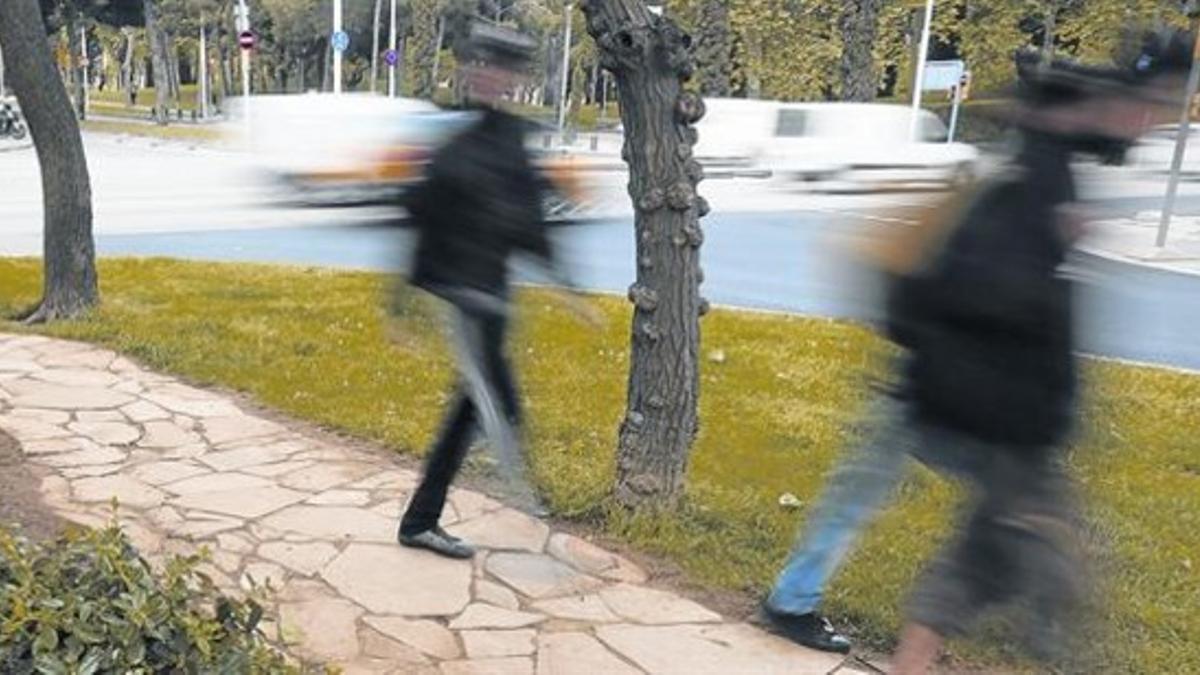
column 714, row 51
column 859, row 26
column 70, row 285
column 375, row 46
column 74, row 53
column 648, row 54
column 173, row 63
column 127, row 62
column 437, row 57
column 327, row 67
column 158, row 61
column 223, row 57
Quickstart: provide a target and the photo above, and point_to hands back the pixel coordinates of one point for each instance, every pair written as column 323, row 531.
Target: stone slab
column 539, row 576
column 399, row 581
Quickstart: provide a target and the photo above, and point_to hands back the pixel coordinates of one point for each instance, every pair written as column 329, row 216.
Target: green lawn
column 775, row 412
column 145, row 97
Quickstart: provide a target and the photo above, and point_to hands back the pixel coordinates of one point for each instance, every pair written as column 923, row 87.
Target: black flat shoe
column 810, row 630
column 437, row 541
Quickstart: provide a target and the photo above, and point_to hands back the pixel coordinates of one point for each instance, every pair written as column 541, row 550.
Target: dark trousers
column 485, row 397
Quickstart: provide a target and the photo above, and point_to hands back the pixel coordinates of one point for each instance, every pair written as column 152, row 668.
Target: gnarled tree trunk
column 70, row 285
column 649, row 55
column 860, row 26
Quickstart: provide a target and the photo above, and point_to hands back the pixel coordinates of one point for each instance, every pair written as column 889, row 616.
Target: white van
column 833, row 144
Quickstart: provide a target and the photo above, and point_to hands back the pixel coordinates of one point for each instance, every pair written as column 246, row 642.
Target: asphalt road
column 793, row 262
column 766, row 247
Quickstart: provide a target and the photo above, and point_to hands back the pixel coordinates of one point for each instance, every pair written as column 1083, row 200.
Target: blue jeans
column 859, row 488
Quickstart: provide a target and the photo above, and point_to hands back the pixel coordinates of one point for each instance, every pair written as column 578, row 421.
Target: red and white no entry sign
column 246, row 39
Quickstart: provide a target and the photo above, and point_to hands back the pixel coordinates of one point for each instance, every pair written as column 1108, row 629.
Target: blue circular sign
column 390, row 57
column 340, row 40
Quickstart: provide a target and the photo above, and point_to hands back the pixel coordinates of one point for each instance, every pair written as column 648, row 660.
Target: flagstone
column 650, row 606
column 505, row 529
column 429, row 637
column 539, row 576
column 400, row 581
column 107, row 433
column 479, row 616
column 242, row 503
column 578, row 654
column 334, row 523
column 481, row 644
column 124, row 489
column 306, row 559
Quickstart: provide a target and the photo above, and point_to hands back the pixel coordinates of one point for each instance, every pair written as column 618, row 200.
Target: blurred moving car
column 1155, row 152
column 318, row 150
column 834, row 145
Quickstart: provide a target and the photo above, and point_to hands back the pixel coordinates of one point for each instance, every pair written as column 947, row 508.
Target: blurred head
column 1102, row 110
column 497, row 61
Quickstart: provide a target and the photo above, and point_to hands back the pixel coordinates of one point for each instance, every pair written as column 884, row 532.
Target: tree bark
column 860, row 27
column 648, row 54
column 70, row 285
column 375, row 46
column 158, row 61
column 223, row 55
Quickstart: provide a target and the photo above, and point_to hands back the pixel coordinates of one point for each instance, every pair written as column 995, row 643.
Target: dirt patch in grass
column 21, row 501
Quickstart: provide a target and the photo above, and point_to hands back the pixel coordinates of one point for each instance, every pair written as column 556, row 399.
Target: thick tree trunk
column 375, row 46
column 437, row 57
column 158, row 61
column 859, row 26
column 173, row 63
column 70, row 285
column 649, row 56
column 75, row 51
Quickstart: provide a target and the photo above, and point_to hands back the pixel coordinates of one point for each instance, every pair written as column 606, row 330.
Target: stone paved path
column 317, row 522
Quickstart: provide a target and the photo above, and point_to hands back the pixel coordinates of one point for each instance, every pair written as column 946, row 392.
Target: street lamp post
column 919, row 80
column 392, row 47
column 1185, row 125
column 337, row 52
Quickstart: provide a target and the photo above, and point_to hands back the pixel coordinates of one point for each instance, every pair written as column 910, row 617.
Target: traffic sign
column 247, row 39
column 340, row 40
column 943, row 75
column 390, row 57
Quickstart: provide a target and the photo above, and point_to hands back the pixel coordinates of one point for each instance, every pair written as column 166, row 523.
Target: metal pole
column 244, row 25
column 954, row 113
column 337, row 53
column 392, row 46
column 922, row 56
column 566, row 68
column 1185, row 126
column 203, row 70
column 1, row 76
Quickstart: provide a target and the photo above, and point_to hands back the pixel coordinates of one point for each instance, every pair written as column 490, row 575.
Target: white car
column 834, row 145
column 1155, row 152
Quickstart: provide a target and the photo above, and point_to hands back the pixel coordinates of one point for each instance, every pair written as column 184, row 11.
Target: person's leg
column 497, row 364
column 445, row 459
column 857, row 490
column 480, row 345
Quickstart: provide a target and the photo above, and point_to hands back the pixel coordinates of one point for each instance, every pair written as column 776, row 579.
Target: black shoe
column 439, row 542
column 811, row 630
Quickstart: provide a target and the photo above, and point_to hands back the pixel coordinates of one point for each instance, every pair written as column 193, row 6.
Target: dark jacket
column 480, row 202
column 988, row 322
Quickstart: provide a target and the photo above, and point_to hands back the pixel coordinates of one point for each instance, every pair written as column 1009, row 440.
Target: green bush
column 87, row 603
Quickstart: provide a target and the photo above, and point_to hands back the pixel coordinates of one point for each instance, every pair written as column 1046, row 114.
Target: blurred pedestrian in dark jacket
column 986, row 389
column 480, row 204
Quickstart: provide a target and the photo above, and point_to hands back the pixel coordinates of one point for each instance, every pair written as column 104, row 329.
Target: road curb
column 1133, row 262
column 13, row 148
